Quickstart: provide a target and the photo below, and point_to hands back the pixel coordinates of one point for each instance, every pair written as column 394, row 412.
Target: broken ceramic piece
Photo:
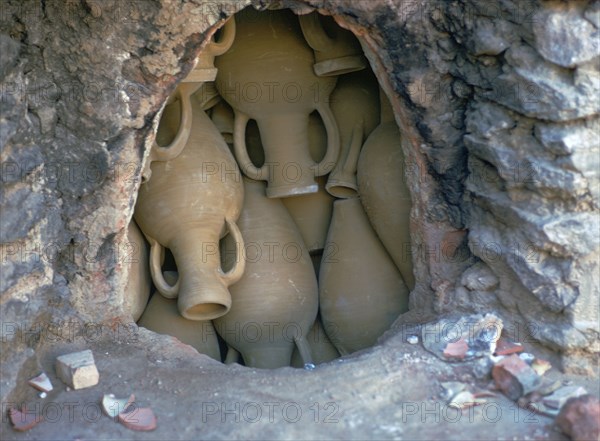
column 41, row 382
column 457, row 349
column 507, row 347
column 113, row 406
column 514, row 377
column 580, row 418
column 479, row 332
column 141, row 419
column 78, row 369
column 23, row 421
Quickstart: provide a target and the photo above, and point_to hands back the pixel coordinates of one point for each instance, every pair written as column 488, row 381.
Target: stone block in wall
column 537, row 88
column 563, row 35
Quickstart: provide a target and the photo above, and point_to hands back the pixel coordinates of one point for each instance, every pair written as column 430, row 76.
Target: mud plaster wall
column 497, row 101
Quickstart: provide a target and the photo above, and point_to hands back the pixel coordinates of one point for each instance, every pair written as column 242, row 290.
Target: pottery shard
column 23, row 421
column 141, row 419
column 78, row 369
column 580, row 418
column 514, row 377
column 456, row 349
column 41, row 382
column 507, row 347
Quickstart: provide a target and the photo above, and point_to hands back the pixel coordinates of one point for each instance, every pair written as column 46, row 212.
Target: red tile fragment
column 514, row 377
column 23, row 421
column 580, row 418
column 457, row 349
column 139, row 418
column 507, row 347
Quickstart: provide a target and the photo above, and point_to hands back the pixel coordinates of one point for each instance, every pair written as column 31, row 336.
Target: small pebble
column 412, row 339
column 42, row 395
column 527, row 357
column 309, row 366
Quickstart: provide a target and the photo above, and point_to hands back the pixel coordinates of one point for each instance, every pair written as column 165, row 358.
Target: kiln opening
column 274, row 205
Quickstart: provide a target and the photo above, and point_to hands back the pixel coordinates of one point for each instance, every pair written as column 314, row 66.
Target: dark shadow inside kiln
column 309, row 137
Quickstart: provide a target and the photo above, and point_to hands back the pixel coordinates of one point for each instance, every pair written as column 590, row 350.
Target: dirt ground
column 391, row 391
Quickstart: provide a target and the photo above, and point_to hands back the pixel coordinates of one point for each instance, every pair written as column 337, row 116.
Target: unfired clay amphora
column 205, row 69
column 361, row 291
column 321, row 348
column 384, row 193
column 187, row 206
column 355, row 103
column 267, row 76
column 337, row 54
column 162, row 316
column 139, row 282
column 181, row 96
column 312, row 212
column 276, row 300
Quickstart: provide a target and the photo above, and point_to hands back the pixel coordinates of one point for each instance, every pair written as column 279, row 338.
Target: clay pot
column 162, row 316
column 139, row 282
column 337, row 51
column 189, row 203
column 312, row 212
column 384, row 193
column 321, row 348
column 267, row 76
column 312, row 215
column 276, row 300
column 205, row 69
column 355, row 105
column 222, row 117
column 361, row 291
column 181, row 96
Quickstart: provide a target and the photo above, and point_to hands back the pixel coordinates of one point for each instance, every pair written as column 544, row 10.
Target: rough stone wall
column 496, row 99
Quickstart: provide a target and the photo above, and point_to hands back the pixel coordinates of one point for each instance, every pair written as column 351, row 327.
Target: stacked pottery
column 276, row 300
column 162, row 316
column 205, row 70
column 267, row 76
column 383, row 190
column 187, row 206
column 336, row 55
column 321, row 348
column 354, row 102
column 175, row 147
column 139, row 282
column 312, row 212
column 361, row 292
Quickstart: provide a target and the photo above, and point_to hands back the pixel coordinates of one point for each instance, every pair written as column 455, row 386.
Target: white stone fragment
column 78, row 369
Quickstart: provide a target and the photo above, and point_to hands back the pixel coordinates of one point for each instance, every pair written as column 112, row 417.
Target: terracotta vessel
column 337, row 54
column 312, row 215
column 187, row 206
column 162, row 316
column 181, row 96
column 276, row 300
column 355, row 105
column 267, row 76
column 139, row 280
column 222, row 117
column 361, row 291
column 312, row 212
column 384, row 193
column 321, row 348
column 205, row 69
